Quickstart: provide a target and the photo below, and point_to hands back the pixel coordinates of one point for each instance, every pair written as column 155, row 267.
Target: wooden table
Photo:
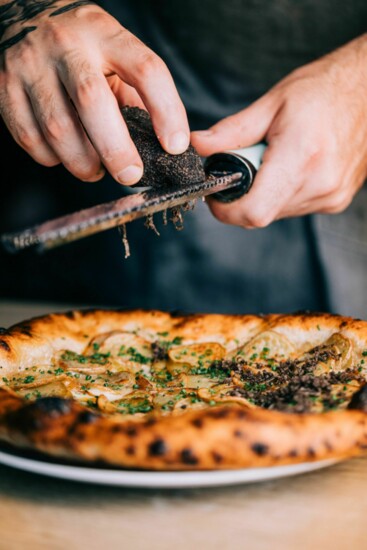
column 322, row 510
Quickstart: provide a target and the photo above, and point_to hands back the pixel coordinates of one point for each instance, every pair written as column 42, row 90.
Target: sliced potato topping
column 336, row 354
column 265, row 348
column 201, row 355
column 221, row 394
column 122, row 373
column 51, row 389
column 32, row 377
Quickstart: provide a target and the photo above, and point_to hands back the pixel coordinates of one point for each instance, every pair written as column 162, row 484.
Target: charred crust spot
column 131, row 431
column 343, row 324
column 197, row 422
column 130, row 450
column 311, row 452
column 293, row 453
column 87, row 417
column 151, row 421
column 3, row 330
column 87, row 312
column 359, row 399
column 35, row 415
column 116, row 428
column 260, row 449
column 217, row 457
column 220, row 413
column 157, row 448
column 53, row 406
column 25, row 329
column 180, row 313
column 241, row 414
column 188, row 457
column 69, row 315
column 24, row 421
column 4, row 345
column 238, row 433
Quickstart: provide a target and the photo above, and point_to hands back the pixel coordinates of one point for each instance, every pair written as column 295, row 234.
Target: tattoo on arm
column 20, row 11
column 71, row 6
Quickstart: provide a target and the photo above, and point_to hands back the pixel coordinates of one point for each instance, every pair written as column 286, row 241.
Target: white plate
column 172, row 480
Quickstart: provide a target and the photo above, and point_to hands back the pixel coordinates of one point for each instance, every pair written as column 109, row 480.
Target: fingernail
column 130, row 175
column 178, row 143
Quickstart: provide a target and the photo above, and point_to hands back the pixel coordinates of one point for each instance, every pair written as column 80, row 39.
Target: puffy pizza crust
column 217, row 437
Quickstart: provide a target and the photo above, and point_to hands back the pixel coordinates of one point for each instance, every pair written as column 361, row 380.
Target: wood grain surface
column 321, row 510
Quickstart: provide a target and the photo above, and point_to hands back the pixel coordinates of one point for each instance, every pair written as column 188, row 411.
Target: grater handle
column 246, row 160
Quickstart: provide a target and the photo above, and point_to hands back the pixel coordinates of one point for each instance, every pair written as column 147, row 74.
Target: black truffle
column 160, row 168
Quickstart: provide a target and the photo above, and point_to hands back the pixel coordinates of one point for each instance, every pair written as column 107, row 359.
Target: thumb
column 240, row 130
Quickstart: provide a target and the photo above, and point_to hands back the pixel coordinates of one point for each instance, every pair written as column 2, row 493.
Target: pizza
column 153, row 390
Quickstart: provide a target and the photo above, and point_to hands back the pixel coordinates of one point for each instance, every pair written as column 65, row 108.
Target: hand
column 315, row 122
column 54, row 51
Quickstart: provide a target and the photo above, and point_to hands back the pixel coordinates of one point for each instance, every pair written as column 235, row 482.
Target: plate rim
column 158, row 479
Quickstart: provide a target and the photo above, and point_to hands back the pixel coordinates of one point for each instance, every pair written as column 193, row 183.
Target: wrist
column 23, row 18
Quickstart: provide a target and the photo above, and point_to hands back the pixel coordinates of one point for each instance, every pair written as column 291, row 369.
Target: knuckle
column 257, row 219
column 148, row 65
column 110, row 154
column 59, row 35
column 56, row 126
column 81, row 166
column 26, row 138
column 330, row 186
column 23, row 57
column 89, row 91
column 337, row 204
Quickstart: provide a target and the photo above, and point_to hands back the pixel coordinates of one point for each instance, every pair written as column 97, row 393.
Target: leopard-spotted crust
column 212, row 438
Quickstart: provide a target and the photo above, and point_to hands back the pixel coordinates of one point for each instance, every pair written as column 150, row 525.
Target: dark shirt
column 223, row 55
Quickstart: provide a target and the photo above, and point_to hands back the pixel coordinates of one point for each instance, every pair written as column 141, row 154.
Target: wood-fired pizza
column 153, row 390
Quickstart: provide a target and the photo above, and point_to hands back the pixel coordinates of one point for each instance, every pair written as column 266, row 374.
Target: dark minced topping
column 292, row 385
column 160, row 347
column 159, row 352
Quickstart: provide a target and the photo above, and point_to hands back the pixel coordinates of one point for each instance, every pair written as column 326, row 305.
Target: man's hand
column 315, row 122
column 65, row 69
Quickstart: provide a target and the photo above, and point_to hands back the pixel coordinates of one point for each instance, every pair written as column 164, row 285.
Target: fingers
column 62, row 129
column 274, row 191
column 73, row 115
column 19, row 118
column 139, row 67
column 101, row 117
column 240, row 130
